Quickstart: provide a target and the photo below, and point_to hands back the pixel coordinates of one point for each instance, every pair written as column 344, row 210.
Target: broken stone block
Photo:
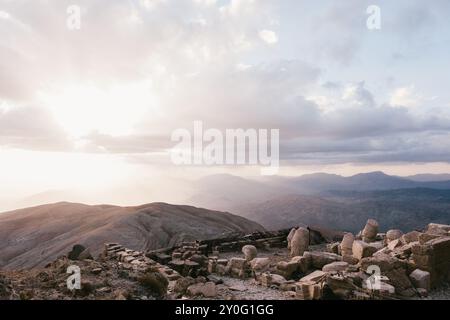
column 351, row 260
column 308, row 290
column 393, row 234
column 370, row 231
column 392, row 268
column 319, row 259
column 299, row 242
column 237, row 263
column 314, row 276
column 260, row 264
column 267, row 279
column 347, row 244
column 250, row 252
column 412, row 236
column 434, row 257
column 421, row 279
column 425, row 237
column 338, row 266
column 304, row 263
column 394, row 244
column 438, row 229
column 286, row 269
column 362, row 249
column 341, row 286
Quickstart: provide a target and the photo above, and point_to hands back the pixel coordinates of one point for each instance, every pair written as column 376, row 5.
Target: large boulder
column 287, row 269
column 338, row 266
column 249, row 252
column 362, row 249
column 392, row 268
column 319, row 259
column 299, row 242
column 434, row 257
column 314, row 276
column 438, row 229
column 412, row 236
column 304, row 262
column 393, row 234
column 260, row 264
column 421, row 279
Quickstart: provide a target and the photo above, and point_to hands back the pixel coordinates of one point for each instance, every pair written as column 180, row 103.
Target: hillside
column 405, row 209
column 34, row 236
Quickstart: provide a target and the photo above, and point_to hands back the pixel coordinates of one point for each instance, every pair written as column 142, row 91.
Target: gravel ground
column 236, row 289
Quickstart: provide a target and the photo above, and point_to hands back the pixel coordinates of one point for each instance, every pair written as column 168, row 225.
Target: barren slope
column 34, row 236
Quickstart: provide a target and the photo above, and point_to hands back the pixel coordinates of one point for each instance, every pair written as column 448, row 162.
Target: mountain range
column 341, row 203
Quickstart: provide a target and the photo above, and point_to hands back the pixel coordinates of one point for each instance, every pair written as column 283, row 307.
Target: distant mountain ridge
column 226, row 192
column 406, row 209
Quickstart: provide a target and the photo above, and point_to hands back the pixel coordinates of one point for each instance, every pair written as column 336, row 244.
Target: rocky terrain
column 33, row 237
column 301, row 263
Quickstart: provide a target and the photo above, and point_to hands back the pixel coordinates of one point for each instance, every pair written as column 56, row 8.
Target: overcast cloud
column 138, row 69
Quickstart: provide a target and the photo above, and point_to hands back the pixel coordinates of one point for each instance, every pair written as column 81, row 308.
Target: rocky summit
column 298, row 263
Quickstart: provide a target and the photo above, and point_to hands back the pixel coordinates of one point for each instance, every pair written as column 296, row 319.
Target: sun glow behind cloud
column 84, row 108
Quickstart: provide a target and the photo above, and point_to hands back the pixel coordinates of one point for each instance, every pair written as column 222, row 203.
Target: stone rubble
column 370, row 265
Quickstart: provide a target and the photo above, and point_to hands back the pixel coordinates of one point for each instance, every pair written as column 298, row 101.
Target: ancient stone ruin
column 299, row 263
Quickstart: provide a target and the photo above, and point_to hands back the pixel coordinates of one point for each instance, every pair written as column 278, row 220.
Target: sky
column 92, row 109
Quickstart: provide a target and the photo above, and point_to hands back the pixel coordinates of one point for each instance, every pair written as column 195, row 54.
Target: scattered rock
column 260, row 264
column 393, row 234
column 319, row 259
column 421, row 279
column 362, row 249
column 338, row 266
column 412, row 236
column 314, row 276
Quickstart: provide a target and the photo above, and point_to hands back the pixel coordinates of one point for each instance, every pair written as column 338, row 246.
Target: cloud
column 31, row 128
column 406, row 96
column 268, row 36
column 216, row 61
